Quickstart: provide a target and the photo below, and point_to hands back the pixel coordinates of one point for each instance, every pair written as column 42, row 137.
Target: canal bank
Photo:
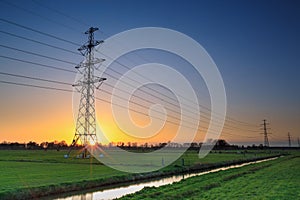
column 120, row 191
column 66, row 188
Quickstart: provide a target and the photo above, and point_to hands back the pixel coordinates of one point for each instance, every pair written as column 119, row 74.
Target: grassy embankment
column 276, row 179
column 35, row 173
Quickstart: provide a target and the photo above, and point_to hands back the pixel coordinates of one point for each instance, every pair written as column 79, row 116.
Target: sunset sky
column 255, row 45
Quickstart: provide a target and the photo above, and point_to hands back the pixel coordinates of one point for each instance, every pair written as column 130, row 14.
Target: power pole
column 266, row 140
column 289, row 137
column 86, row 120
column 298, row 142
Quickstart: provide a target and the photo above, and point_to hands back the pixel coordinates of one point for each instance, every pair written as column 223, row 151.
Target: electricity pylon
column 86, row 120
column 289, row 137
column 266, row 140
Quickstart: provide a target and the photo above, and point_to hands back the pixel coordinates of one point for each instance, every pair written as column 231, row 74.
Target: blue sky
column 255, row 45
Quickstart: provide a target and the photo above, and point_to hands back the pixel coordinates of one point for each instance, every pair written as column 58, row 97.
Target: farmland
column 277, row 179
column 34, row 173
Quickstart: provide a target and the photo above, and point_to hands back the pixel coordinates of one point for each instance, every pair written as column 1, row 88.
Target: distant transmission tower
column 289, row 137
column 298, row 142
column 86, row 120
column 266, row 140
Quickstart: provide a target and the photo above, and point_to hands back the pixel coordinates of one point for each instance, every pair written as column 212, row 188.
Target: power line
column 35, row 86
column 60, row 13
column 35, row 78
column 40, row 16
column 200, row 128
column 172, row 116
column 38, row 42
column 38, row 64
column 232, row 126
column 138, row 103
column 37, row 31
column 66, row 90
column 191, row 111
column 37, row 54
column 208, row 109
column 192, row 108
column 225, row 126
column 245, row 123
column 228, row 118
column 246, row 136
column 277, row 137
column 143, row 106
column 106, row 101
column 127, row 67
column 145, row 92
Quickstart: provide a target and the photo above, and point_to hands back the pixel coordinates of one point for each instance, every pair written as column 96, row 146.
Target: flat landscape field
column 276, row 179
column 30, row 172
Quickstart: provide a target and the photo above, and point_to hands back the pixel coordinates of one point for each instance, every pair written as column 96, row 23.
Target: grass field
column 277, row 179
column 25, row 172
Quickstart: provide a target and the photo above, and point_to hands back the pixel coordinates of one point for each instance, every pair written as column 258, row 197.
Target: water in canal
column 118, row 192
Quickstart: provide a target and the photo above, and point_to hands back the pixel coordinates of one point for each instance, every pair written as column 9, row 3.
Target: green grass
column 277, row 179
column 29, row 169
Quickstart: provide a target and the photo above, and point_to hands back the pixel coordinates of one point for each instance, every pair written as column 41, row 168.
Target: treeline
column 129, row 145
column 220, row 144
column 34, row 146
column 62, row 145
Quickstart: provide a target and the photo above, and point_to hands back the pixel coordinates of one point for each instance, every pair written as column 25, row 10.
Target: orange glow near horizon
column 115, row 134
column 39, row 117
column 53, row 120
column 36, row 117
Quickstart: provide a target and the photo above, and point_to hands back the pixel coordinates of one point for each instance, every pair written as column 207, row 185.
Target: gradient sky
column 255, row 45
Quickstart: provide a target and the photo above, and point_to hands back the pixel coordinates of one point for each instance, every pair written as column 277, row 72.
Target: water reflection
column 124, row 190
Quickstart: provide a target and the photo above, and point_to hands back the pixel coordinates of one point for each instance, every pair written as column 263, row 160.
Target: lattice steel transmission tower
column 266, row 140
column 86, row 85
column 289, row 138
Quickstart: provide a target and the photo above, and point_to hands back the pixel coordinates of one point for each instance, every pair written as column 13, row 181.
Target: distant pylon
column 298, row 142
column 266, row 140
column 289, row 137
column 86, row 120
